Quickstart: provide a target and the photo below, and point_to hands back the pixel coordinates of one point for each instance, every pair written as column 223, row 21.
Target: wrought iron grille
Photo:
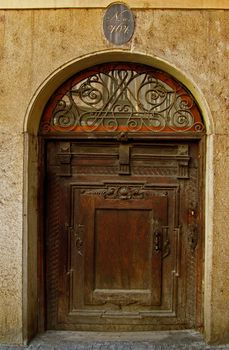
column 121, row 98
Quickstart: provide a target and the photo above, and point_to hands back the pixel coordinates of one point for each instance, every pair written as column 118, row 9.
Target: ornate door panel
column 121, row 235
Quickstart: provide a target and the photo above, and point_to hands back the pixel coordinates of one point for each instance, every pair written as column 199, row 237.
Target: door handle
column 157, row 241
column 193, row 236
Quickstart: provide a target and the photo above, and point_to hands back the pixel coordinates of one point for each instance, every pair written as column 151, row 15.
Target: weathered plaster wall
column 34, row 43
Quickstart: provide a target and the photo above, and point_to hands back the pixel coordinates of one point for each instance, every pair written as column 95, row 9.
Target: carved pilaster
column 64, row 159
column 183, row 162
column 124, row 159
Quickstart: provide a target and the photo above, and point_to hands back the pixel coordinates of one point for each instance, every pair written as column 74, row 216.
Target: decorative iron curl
column 90, row 93
column 64, row 116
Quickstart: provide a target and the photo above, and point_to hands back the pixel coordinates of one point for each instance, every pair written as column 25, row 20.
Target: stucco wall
column 33, row 44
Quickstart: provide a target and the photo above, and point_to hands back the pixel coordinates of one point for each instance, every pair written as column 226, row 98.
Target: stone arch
column 31, row 154
column 56, row 78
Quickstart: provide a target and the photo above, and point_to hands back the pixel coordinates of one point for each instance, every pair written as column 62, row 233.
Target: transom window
column 121, row 97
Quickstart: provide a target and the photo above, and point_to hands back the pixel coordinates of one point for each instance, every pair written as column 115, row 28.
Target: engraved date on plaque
column 118, row 23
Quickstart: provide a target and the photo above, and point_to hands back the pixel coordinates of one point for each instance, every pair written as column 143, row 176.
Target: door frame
column 33, row 151
column 201, row 140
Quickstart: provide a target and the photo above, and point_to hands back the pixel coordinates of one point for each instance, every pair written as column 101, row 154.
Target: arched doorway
column 122, row 173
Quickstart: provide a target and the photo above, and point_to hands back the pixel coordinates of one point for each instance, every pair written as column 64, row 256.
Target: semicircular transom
column 121, row 97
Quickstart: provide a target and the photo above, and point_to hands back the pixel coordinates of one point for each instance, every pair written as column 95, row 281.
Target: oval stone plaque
column 118, row 23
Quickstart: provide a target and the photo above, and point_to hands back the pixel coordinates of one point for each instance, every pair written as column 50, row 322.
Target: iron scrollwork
column 123, row 100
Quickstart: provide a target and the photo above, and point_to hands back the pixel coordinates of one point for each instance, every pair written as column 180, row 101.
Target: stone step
column 165, row 340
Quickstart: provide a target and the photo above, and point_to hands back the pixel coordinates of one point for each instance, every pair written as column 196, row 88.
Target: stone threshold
column 158, row 340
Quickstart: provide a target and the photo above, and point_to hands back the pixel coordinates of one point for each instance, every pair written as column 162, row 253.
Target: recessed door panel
column 122, row 249
column 123, row 262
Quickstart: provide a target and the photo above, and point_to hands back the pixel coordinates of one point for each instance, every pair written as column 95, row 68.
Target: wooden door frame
column 200, row 139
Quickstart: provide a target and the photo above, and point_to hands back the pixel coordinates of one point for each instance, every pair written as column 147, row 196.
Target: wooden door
column 122, row 235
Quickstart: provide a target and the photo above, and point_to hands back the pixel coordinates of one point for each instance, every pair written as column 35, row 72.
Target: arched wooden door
column 123, row 209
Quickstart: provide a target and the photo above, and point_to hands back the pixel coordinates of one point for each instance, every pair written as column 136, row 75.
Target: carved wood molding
column 118, row 192
column 123, row 192
column 126, row 162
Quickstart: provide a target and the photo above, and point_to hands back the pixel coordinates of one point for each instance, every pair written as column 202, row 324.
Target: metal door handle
column 157, row 241
column 193, row 236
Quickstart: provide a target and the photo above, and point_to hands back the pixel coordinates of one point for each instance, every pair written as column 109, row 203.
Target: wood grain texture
column 125, row 262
